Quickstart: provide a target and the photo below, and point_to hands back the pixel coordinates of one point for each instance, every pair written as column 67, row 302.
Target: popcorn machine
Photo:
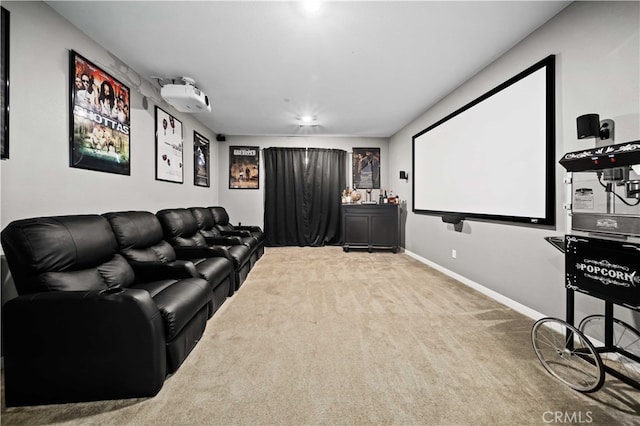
column 604, row 184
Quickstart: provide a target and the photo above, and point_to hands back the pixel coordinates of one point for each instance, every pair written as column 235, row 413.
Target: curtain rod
column 305, row 148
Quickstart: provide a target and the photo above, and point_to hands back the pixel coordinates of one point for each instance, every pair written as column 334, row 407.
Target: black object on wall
column 302, row 196
column 4, row 85
column 588, row 126
column 452, row 218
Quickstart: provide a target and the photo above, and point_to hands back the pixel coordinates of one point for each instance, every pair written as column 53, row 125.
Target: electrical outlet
column 454, row 254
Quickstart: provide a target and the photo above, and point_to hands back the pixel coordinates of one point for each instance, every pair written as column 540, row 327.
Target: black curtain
column 302, row 196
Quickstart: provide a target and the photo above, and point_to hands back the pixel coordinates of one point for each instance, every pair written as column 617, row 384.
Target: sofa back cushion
column 221, row 218
column 139, row 236
column 64, row 253
column 204, row 220
column 180, row 228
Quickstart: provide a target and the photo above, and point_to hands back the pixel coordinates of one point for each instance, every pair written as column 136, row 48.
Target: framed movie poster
column 244, row 167
column 168, row 147
column 99, row 117
column 200, row 160
column 4, row 89
column 366, row 168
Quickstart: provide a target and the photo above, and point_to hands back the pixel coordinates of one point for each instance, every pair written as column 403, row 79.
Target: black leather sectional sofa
column 110, row 305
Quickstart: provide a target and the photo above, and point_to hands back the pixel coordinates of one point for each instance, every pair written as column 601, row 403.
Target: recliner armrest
column 154, row 271
column 250, row 228
column 236, row 233
column 186, row 253
column 82, row 346
column 224, row 241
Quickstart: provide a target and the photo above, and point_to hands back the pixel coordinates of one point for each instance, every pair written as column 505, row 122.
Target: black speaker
column 452, row 218
column 221, row 137
column 588, row 126
column 404, row 175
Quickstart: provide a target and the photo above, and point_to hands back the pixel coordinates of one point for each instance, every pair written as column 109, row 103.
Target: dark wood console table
column 370, row 226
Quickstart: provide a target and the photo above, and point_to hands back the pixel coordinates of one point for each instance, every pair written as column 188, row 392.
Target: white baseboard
column 516, row 306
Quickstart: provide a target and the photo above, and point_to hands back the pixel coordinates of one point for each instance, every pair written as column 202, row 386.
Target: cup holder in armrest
column 112, row 291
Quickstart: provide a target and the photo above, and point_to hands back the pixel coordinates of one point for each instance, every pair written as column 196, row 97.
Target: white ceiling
column 361, row 68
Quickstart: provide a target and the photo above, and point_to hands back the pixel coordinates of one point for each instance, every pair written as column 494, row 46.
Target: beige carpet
column 316, row 336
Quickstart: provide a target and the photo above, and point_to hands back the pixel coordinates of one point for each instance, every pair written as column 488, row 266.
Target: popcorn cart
column 602, row 260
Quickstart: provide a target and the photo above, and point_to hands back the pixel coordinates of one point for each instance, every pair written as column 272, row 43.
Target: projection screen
column 494, row 157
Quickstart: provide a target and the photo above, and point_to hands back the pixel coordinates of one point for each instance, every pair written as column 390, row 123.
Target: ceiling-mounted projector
column 185, row 97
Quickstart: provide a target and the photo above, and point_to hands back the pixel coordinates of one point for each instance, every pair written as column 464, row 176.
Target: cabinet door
column 356, row 229
column 384, row 230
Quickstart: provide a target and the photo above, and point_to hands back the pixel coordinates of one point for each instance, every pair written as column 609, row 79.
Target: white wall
column 37, row 179
column 247, row 205
column 597, row 70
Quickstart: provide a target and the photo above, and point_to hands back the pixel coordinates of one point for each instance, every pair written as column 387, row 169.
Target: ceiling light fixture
column 308, row 121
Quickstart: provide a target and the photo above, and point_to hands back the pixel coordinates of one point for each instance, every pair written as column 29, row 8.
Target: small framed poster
column 200, row 160
column 99, row 128
column 244, row 167
column 366, row 168
column 169, row 146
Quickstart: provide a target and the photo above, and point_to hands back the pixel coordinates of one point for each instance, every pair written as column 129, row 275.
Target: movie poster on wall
column 366, row 168
column 244, row 167
column 200, row 160
column 100, row 129
column 168, row 147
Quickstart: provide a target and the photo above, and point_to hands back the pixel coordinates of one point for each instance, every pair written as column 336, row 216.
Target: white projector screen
column 493, row 158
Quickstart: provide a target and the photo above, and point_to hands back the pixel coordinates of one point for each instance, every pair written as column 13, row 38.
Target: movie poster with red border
column 100, row 128
column 244, row 167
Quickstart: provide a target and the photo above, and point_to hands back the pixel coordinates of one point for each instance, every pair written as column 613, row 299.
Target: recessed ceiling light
column 308, row 121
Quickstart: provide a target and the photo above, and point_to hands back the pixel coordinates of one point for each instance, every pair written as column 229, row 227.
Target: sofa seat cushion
column 214, row 269
column 178, row 301
column 240, row 254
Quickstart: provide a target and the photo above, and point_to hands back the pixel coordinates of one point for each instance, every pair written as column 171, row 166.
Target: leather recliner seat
column 87, row 325
column 140, row 239
column 181, row 231
column 212, row 235
column 251, row 235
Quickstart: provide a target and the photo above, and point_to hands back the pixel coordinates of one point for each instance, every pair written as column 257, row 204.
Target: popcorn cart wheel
column 567, row 354
column 626, row 340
